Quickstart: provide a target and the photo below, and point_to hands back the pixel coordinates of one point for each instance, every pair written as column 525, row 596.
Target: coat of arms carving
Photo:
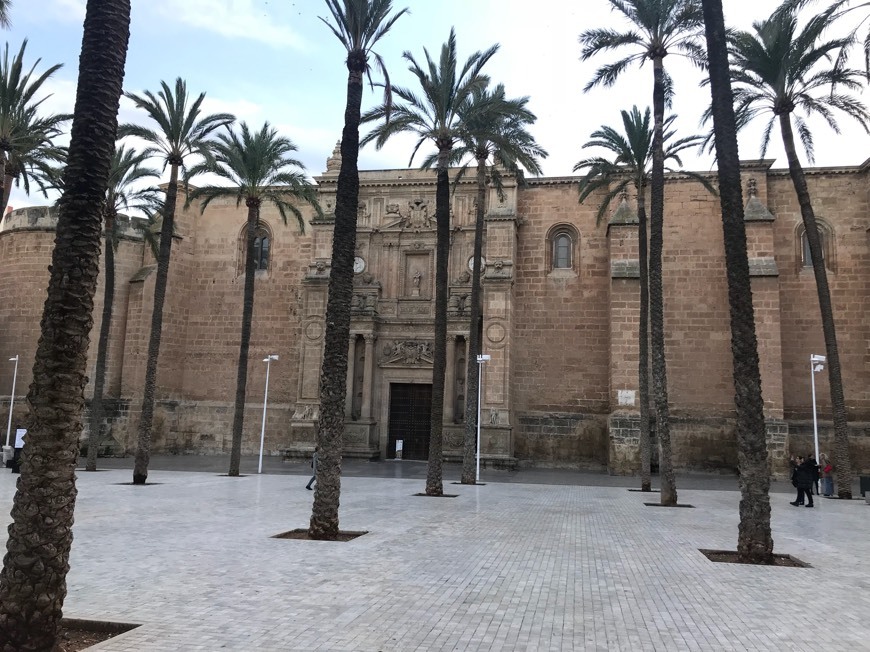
column 409, row 352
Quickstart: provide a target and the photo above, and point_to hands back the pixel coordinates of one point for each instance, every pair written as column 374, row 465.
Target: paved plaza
column 505, row 566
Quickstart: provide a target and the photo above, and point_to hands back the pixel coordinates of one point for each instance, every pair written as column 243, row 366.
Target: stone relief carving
column 306, row 413
column 363, row 216
column 457, row 304
column 409, row 352
column 418, row 214
column 464, row 278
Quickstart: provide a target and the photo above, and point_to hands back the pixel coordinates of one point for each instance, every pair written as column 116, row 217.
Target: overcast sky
column 274, row 60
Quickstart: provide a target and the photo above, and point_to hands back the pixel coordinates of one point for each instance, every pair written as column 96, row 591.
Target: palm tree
column 435, row 116
column 182, row 132
column 780, row 69
column 662, row 27
column 631, row 163
column 358, row 25
column 495, row 131
column 33, row 580
column 5, row 6
column 124, row 192
column 22, row 129
column 259, row 167
column 754, row 538
column 35, row 159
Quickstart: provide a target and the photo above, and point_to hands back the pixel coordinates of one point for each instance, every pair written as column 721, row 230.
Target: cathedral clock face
column 471, row 263
column 359, row 265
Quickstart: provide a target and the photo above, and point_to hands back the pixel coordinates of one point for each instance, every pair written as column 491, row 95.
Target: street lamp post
column 11, row 401
column 817, row 363
column 480, row 360
column 268, row 360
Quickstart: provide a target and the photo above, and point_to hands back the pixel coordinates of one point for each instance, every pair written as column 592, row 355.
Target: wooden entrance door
column 410, row 410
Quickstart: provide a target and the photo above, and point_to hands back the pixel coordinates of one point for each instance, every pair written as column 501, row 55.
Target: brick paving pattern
column 506, row 566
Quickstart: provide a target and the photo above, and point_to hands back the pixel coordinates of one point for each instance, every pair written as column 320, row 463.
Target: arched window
column 562, row 242
column 262, row 244
column 562, row 246
column 825, row 239
column 262, row 249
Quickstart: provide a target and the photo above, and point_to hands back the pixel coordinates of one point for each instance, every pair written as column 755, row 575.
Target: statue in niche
column 417, row 279
column 493, row 417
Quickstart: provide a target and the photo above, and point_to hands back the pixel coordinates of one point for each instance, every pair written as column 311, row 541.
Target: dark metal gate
column 410, row 410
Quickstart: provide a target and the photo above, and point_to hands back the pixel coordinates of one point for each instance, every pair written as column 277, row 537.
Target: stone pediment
column 407, row 353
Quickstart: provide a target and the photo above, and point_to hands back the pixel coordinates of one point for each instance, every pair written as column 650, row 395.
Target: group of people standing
column 805, row 476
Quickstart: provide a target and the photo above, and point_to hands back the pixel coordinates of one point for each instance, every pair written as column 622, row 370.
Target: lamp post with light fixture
column 480, row 360
column 817, row 363
column 6, row 449
column 268, row 360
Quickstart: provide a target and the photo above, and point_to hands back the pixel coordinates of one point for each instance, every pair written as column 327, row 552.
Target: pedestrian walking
column 827, row 475
column 313, row 466
column 803, row 480
column 20, row 434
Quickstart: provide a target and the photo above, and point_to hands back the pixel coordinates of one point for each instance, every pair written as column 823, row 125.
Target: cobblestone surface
column 506, row 566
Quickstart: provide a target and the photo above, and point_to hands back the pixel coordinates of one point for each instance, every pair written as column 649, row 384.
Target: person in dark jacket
column 313, row 466
column 803, row 476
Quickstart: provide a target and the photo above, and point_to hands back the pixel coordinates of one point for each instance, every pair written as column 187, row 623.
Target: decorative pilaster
column 368, row 376
column 351, row 359
column 450, row 379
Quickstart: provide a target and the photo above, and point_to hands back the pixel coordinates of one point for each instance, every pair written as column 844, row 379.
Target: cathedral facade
column 560, row 314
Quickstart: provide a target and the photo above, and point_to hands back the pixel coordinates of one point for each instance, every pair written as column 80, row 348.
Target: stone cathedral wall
column 567, row 338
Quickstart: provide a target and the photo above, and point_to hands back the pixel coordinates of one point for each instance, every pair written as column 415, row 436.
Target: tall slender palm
column 124, row 192
column 22, row 129
column 630, row 165
column 494, row 137
column 780, row 69
column 5, row 8
column 754, row 538
column 260, row 170
column 435, row 116
column 33, row 580
column 182, row 132
column 358, row 25
column 661, row 27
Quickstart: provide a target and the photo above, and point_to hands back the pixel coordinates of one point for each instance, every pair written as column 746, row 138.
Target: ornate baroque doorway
column 410, row 413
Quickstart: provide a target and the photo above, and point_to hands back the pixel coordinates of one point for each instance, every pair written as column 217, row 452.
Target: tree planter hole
column 651, row 491
column 425, row 495
column 77, row 634
column 678, row 505
column 730, row 557
column 301, row 534
column 227, row 475
column 133, row 484
column 84, row 470
column 473, row 484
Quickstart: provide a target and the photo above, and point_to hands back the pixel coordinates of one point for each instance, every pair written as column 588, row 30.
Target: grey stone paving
column 506, row 566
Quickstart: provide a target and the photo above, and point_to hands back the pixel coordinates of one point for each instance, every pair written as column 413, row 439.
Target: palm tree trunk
column 146, row 420
column 643, row 341
column 657, row 325
column 472, row 379
column 244, row 345
column 333, row 374
column 754, row 538
column 842, row 459
column 33, row 580
column 434, row 470
column 96, row 416
column 8, row 181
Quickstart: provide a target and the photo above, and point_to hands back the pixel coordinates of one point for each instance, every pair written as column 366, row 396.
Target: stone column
column 368, row 376
column 450, row 380
column 351, row 358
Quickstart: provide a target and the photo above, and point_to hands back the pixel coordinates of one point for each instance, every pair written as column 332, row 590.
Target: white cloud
column 235, row 19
